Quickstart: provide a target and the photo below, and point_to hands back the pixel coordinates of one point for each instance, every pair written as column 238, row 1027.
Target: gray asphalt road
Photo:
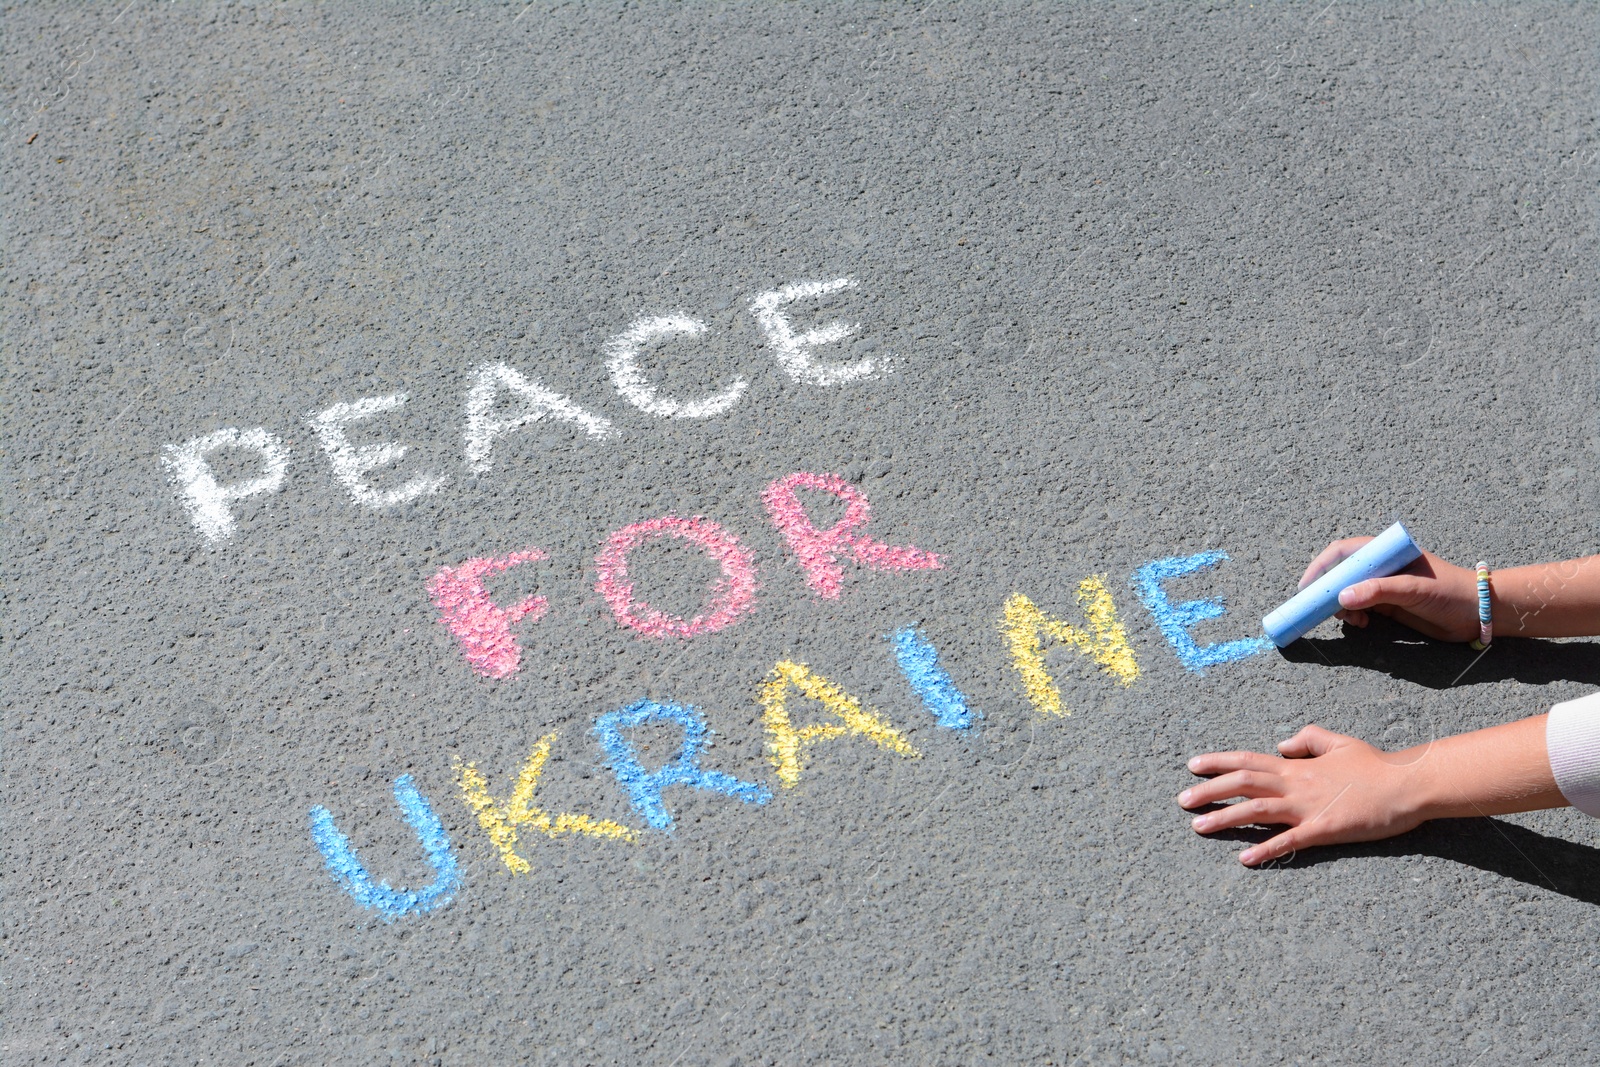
column 1056, row 291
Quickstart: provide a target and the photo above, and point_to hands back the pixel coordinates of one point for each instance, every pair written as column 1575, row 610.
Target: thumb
column 1310, row 741
column 1401, row 590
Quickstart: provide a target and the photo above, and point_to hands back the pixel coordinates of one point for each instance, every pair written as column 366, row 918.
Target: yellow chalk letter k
column 501, row 823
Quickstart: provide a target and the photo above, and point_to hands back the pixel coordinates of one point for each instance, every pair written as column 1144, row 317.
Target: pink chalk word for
column 484, row 629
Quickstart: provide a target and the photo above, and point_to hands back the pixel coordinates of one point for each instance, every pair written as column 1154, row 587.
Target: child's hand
column 1330, row 789
column 1433, row 595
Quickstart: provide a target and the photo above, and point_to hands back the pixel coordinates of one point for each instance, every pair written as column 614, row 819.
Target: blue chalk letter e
column 1176, row 619
column 644, row 789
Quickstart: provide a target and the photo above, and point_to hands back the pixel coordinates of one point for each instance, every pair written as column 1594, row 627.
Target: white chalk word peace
column 501, row 400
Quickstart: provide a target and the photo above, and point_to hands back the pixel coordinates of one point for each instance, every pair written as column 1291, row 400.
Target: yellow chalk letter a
column 784, row 742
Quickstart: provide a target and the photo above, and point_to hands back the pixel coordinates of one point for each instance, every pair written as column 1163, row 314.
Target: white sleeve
column 1572, row 737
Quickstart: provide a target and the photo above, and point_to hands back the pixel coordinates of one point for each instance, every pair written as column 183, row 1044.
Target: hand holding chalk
column 1330, row 788
column 1431, row 595
column 1319, row 599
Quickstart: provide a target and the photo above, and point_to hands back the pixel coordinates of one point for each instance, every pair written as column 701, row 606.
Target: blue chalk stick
column 1388, row 553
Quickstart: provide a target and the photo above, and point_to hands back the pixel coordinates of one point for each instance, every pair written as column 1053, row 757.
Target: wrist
column 1547, row 599
column 1493, row 771
column 1504, row 606
column 1426, row 790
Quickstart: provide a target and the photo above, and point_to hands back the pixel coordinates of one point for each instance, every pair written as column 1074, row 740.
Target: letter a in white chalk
column 350, row 462
column 488, row 380
column 794, row 351
column 189, row 465
column 622, row 359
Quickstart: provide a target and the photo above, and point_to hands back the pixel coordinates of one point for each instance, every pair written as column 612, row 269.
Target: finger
column 1423, row 626
column 1358, row 619
column 1266, row 811
column 1312, row 740
column 1393, row 597
column 1399, row 590
column 1214, row 763
column 1251, row 784
column 1273, row 847
column 1331, row 557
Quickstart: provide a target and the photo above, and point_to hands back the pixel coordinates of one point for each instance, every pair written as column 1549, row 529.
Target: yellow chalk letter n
column 501, row 823
column 1104, row 641
column 784, row 742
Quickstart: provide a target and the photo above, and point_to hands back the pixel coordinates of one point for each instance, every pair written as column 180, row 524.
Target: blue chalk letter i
column 1175, row 619
column 644, row 789
column 919, row 662
column 349, row 873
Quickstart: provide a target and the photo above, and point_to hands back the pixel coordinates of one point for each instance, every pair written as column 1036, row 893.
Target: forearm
column 1496, row 771
column 1548, row 599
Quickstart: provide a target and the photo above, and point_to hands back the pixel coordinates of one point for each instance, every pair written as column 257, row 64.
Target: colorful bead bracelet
column 1485, row 622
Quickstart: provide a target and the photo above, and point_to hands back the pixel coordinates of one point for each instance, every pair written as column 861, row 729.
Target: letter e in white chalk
column 189, row 465
column 622, row 360
column 489, row 380
column 794, row 351
column 351, row 463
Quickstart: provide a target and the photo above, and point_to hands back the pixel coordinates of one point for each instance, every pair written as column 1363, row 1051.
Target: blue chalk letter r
column 644, row 789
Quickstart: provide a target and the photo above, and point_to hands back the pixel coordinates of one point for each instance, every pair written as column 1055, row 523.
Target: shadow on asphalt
column 1403, row 653
column 1492, row 845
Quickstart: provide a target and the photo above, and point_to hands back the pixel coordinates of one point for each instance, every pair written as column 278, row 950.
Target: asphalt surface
column 1133, row 282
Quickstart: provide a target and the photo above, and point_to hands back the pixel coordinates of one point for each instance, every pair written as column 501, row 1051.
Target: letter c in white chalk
column 622, row 360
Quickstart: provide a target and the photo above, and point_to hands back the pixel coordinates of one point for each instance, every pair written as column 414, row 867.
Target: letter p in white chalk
column 189, row 465
column 794, row 350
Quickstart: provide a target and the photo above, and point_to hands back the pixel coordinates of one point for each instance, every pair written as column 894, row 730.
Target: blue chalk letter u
column 644, row 789
column 1175, row 619
column 349, row 873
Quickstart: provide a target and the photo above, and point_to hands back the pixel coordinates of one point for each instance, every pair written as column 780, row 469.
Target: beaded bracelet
column 1485, row 622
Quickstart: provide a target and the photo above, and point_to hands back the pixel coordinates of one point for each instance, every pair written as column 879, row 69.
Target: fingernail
column 1183, row 798
column 1247, row 857
column 1194, row 763
column 1201, row 822
column 1348, row 594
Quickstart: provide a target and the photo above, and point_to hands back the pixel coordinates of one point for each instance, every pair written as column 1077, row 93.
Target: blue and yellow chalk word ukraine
column 489, row 647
